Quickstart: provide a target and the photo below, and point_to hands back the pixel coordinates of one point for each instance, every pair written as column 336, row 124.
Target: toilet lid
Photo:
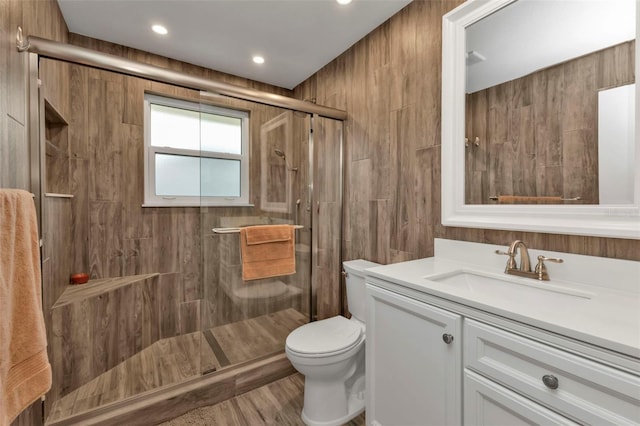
column 329, row 335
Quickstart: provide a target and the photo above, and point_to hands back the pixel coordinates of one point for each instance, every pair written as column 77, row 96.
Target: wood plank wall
column 44, row 19
column 110, row 234
column 89, row 335
column 389, row 82
column 56, row 253
column 327, row 213
column 124, row 238
column 113, row 235
column 539, row 133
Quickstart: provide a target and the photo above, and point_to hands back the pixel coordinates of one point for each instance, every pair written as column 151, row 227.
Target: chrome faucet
column 524, row 270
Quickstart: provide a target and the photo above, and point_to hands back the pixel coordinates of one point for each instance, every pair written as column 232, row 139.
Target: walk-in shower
column 166, row 304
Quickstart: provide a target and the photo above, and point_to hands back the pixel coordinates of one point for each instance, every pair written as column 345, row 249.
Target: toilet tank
column 355, row 286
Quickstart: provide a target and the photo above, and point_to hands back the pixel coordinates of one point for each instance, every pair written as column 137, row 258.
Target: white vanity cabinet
column 413, row 359
column 488, row 374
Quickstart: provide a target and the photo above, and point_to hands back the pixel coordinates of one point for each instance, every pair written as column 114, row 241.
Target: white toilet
column 330, row 354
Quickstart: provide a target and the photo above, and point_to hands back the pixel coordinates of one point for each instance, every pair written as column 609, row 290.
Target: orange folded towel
column 515, row 199
column 267, row 251
column 25, row 372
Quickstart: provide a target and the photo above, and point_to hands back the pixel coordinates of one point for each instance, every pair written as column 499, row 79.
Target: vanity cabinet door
column 486, row 403
column 413, row 362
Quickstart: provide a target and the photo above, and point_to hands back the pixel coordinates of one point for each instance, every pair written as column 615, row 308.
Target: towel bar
column 495, row 198
column 236, row 230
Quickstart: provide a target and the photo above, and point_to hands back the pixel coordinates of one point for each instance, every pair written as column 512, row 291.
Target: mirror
column 525, row 142
column 534, row 72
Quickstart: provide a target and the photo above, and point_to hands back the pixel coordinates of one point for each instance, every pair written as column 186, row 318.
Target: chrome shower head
column 280, row 153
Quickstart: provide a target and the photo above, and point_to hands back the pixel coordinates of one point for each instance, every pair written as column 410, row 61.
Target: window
column 195, row 154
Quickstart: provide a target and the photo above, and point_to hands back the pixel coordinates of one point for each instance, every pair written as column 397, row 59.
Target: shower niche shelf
column 56, row 151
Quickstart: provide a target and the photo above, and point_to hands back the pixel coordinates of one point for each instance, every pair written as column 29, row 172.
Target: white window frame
column 151, row 199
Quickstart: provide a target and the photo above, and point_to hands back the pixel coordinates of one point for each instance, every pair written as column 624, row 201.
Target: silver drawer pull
column 550, row 381
column 447, row 338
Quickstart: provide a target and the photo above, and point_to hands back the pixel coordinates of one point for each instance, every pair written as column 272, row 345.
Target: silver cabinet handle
column 550, row 381
column 447, row 338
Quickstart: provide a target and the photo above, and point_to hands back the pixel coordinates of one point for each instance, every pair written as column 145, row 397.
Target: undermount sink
column 504, row 286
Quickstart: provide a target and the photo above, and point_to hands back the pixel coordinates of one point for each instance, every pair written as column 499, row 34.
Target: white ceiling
column 530, row 35
column 296, row 37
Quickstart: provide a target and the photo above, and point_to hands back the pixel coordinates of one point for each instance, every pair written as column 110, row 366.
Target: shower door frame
column 83, row 56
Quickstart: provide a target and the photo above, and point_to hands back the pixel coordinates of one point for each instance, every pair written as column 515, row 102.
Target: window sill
column 197, row 205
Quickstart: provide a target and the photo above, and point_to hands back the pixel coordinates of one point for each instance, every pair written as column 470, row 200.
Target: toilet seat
column 331, row 336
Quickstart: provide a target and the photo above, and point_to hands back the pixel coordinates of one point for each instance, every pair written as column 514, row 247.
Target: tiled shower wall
column 39, row 18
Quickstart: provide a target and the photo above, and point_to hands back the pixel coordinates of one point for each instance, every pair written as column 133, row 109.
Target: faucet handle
column 511, row 263
column 541, row 269
column 550, row 259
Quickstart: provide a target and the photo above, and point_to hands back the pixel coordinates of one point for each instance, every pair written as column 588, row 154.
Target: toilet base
column 355, row 408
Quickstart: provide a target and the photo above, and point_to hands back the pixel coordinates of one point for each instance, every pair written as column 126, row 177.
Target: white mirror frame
column 616, row 221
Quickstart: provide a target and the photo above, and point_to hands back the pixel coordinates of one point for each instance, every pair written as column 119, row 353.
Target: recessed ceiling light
column 343, row 1
column 258, row 59
column 159, row 29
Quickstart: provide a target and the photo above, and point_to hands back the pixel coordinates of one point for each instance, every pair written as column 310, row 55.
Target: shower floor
column 278, row 403
column 175, row 359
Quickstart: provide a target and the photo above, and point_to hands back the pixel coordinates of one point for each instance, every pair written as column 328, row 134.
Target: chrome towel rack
column 495, row 198
column 237, row 230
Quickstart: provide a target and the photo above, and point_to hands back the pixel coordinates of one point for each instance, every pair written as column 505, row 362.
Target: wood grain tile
column 105, row 140
column 278, row 403
column 80, row 222
column 31, row 416
column 176, row 359
column 106, row 252
column 398, row 65
column 57, row 246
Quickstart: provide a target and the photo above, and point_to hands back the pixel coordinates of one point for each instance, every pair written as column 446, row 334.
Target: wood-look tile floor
column 278, row 403
column 178, row 358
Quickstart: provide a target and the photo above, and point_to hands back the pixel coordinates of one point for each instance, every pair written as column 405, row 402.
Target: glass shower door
column 328, row 289
column 248, row 320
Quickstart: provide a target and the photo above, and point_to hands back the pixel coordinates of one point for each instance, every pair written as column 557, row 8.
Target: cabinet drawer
column 486, row 403
column 587, row 391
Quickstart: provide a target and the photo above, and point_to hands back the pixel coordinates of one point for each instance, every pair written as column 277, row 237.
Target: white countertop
column 609, row 317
